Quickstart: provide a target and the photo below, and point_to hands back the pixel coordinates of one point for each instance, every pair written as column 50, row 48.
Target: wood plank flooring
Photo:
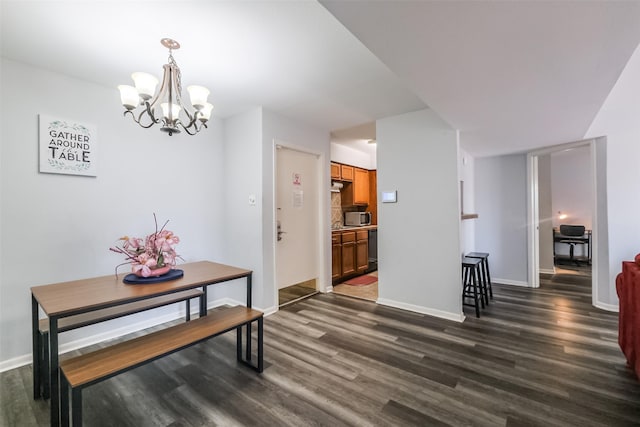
column 541, row 357
column 297, row 292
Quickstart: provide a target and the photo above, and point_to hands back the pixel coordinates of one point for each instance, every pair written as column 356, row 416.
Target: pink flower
column 154, row 251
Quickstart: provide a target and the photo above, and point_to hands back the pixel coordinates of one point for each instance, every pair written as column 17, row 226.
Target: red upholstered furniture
column 628, row 288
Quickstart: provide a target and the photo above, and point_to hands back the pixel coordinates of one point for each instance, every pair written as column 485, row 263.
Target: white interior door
column 297, row 217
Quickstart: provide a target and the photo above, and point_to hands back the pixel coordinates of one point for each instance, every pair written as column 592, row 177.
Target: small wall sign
column 67, row 147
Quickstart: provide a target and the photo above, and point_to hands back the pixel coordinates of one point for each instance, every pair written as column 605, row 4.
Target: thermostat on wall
column 389, row 196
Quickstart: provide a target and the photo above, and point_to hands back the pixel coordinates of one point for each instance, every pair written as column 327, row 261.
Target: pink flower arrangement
column 153, row 252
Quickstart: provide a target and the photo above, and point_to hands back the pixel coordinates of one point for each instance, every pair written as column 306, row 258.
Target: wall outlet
column 252, row 199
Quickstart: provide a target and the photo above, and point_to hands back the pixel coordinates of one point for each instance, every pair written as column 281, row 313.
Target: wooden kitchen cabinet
column 360, row 186
column 336, row 255
column 348, row 253
column 362, row 251
column 346, row 172
column 335, row 171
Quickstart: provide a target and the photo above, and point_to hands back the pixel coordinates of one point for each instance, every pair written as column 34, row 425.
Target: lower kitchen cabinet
column 350, row 254
column 336, row 255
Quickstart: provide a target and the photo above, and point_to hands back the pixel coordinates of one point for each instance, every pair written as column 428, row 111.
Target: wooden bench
column 88, row 369
column 93, row 317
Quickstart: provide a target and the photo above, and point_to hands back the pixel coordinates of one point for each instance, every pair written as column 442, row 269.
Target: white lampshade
column 205, row 112
column 198, row 95
column 129, row 96
column 145, row 84
column 175, row 110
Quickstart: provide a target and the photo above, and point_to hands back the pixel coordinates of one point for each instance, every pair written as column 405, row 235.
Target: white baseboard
column 423, row 310
column 609, row 307
column 510, row 282
column 26, row 359
column 546, row 271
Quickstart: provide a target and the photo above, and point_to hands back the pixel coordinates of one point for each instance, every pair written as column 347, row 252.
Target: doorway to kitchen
column 297, row 224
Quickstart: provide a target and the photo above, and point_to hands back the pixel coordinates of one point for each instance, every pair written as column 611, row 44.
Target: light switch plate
column 252, row 199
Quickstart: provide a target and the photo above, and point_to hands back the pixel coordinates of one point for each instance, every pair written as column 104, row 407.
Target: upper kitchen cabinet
column 360, row 186
column 341, row 172
column 346, row 172
column 357, row 193
column 335, row 171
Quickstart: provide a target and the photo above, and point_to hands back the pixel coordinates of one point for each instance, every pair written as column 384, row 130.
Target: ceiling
column 511, row 76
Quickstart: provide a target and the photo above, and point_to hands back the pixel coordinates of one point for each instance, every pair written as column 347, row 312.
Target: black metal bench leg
column 44, row 336
column 64, row 401
column 249, row 342
column 239, row 343
column 188, row 316
column 76, row 407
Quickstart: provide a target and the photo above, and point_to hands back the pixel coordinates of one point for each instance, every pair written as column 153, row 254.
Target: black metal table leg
column 203, row 301
column 249, row 290
column 36, row 349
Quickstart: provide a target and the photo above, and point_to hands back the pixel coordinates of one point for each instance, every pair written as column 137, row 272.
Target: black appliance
column 373, row 250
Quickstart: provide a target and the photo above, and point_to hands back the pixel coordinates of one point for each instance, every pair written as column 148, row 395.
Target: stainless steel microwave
column 357, row 218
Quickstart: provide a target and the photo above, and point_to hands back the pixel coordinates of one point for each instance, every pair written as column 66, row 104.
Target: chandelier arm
column 137, row 120
column 187, row 128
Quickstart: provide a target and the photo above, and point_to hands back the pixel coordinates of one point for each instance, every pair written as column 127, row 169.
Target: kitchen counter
column 354, row 227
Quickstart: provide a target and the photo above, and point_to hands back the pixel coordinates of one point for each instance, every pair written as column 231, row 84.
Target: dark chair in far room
column 575, row 231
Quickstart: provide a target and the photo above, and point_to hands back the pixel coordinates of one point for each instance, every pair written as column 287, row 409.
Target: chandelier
column 168, row 100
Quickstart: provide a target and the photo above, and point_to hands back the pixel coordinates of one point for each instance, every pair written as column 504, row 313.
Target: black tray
column 132, row 279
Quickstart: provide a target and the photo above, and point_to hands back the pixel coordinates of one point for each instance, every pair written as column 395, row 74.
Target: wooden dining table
column 71, row 298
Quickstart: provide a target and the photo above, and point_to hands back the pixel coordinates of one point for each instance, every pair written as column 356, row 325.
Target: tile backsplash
column 336, row 210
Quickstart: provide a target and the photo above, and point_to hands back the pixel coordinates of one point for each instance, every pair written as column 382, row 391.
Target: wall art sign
column 67, row 147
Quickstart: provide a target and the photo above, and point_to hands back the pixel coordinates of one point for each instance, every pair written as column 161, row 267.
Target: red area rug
column 362, row 280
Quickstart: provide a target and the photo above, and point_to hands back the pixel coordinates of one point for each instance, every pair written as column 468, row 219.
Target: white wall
column 501, row 204
column 242, row 223
column 571, row 183
column 618, row 121
column 350, row 156
column 60, row 227
column 466, row 171
column 419, row 236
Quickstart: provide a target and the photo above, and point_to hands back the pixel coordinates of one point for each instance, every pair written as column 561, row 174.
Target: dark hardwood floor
column 536, row 357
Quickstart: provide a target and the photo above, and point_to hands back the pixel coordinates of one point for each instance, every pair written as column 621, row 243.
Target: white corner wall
column 501, row 204
column 618, row 121
column 466, row 170
column 60, row 227
column 242, row 222
column 419, row 236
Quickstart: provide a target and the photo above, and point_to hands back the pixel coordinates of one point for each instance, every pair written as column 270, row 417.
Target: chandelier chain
column 174, row 64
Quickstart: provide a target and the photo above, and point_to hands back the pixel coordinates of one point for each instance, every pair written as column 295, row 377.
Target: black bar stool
column 486, row 276
column 471, row 287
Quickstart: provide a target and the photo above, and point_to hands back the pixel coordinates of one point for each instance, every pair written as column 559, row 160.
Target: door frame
column 599, row 234
column 322, row 262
